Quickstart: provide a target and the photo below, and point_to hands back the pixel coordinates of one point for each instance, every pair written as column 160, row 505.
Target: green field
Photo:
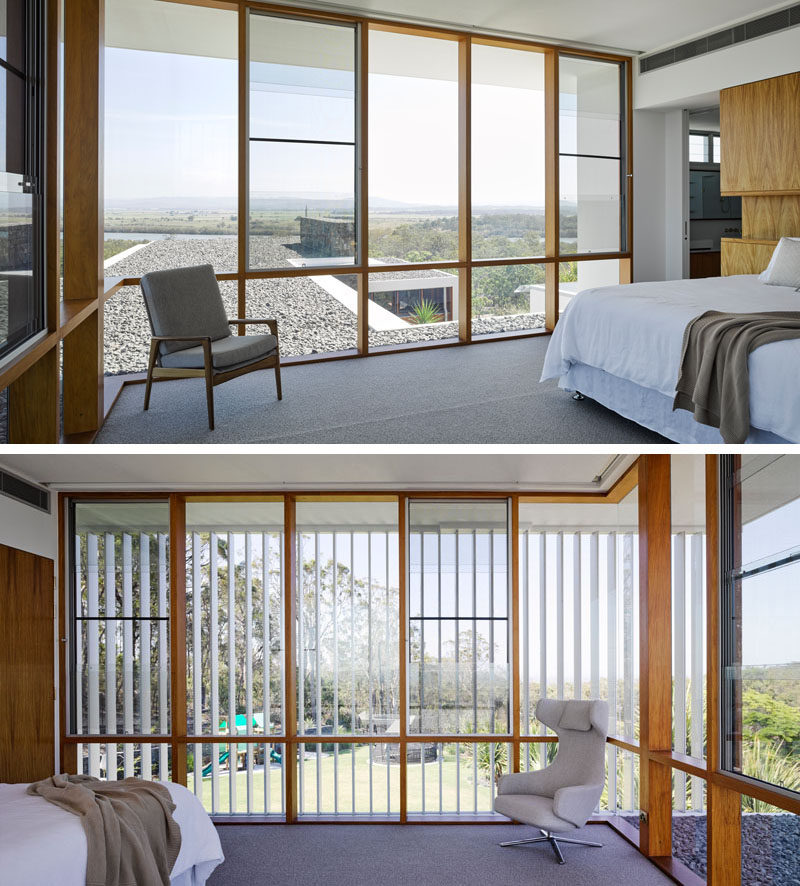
column 354, row 780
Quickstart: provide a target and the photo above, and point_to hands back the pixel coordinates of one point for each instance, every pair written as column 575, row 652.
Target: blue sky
column 171, row 131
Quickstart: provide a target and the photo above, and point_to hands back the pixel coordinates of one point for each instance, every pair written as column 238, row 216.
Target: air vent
column 758, row 27
column 22, row 490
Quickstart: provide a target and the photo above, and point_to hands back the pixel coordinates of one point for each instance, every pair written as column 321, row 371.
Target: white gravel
column 310, row 320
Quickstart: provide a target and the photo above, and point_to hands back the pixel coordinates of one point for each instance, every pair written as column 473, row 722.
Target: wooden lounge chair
column 191, row 334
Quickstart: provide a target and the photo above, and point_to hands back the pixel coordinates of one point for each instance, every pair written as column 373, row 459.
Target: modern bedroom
column 544, row 224
column 566, row 668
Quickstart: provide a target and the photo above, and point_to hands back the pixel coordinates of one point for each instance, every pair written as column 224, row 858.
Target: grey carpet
column 486, row 393
column 424, row 855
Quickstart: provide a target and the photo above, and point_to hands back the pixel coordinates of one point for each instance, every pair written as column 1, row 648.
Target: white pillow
column 766, row 275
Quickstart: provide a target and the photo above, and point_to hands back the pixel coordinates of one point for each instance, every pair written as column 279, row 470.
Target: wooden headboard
column 745, row 256
column 760, row 139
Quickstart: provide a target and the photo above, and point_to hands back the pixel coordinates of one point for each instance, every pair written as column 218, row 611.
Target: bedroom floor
column 425, row 855
column 487, row 393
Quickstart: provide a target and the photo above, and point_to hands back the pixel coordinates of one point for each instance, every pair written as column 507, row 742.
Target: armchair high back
column 562, row 796
column 192, row 334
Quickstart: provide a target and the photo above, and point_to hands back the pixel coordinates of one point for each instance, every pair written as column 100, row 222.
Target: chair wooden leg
column 150, row 366
column 209, row 385
column 278, row 380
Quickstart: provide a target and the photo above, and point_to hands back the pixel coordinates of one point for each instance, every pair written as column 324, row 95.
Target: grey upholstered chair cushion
column 183, row 302
column 571, row 786
column 533, row 810
column 226, row 353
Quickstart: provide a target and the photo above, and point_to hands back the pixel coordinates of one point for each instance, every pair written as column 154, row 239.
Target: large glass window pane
column 688, row 609
column 507, row 298
column 22, row 312
column 590, row 204
column 316, row 315
column 302, row 80
column 589, row 109
column 507, row 152
column 412, row 306
column 458, row 618
column 455, row 777
column 120, row 672
column 348, row 779
column 347, row 612
column 302, row 148
column 689, row 821
column 413, row 148
column 589, row 145
column 579, row 610
column 762, row 674
column 288, row 227
column 20, row 309
column 770, row 844
column 171, row 105
column 575, row 276
column 234, row 645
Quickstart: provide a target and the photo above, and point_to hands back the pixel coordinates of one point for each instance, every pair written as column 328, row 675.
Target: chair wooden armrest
column 198, row 338
column 273, row 324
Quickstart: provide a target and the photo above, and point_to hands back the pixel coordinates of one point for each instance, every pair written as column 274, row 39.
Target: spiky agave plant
column 425, row 311
column 766, row 762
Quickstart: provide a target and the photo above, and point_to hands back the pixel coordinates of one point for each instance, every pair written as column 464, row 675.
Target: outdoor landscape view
column 171, row 175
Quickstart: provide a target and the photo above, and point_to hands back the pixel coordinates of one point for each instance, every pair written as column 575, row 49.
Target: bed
column 41, row 844
column 621, row 346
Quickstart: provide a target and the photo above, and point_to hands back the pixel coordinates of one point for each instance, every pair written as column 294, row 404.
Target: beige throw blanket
column 131, row 836
column 714, row 383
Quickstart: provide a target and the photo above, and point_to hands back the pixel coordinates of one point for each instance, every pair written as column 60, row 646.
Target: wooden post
column 551, row 202
column 290, row 659
column 33, row 402
column 655, row 652
column 465, row 188
column 724, row 836
column 402, row 548
column 84, row 40
column 516, row 636
column 243, row 217
column 177, row 621
column 362, row 195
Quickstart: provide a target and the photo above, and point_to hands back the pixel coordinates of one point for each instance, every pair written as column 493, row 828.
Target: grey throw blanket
column 131, row 836
column 714, row 382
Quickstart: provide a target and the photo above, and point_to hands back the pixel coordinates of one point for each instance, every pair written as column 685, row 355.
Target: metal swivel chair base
column 548, row 837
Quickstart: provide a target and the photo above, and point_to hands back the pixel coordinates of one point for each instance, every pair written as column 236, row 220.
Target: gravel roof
column 310, row 320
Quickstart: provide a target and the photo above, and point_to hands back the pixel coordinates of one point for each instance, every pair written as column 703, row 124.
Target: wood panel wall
column 27, row 672
column 760, row 137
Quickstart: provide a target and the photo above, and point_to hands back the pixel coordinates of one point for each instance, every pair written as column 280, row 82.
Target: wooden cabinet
column 760, row 128
column 27, row 666
column 704, row 264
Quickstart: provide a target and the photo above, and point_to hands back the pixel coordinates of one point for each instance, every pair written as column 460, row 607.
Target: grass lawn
column 449, row 784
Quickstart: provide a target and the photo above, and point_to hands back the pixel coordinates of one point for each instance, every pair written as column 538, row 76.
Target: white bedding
column 635, row 332
column 41, row 844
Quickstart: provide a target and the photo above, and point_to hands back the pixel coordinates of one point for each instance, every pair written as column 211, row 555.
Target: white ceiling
column 231, row 471
column 625, row 25
column 634, row 25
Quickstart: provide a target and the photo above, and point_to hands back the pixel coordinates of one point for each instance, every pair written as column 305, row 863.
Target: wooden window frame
column 651, row 473
column 32, row 374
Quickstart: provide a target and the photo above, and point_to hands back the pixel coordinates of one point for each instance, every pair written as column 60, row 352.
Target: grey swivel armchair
column 561, row 797
column 192, row 333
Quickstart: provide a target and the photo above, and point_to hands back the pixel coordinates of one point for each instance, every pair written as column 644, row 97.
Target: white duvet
column 43, row 845
column 635, row 332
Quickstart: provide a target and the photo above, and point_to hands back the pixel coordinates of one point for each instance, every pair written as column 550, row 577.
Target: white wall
column 768, row 56
column 660, row 195
column 659, row 149
column 28, row 529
